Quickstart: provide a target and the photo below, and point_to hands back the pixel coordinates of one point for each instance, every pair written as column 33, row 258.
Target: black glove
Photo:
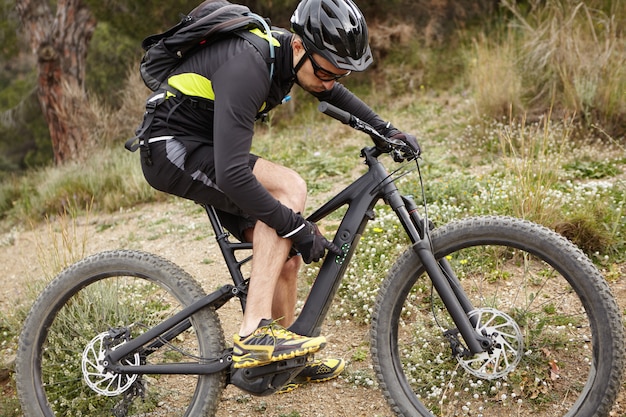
column 311, row 244
column 409, row 140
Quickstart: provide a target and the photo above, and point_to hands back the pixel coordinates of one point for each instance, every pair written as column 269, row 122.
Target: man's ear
column 297, row 45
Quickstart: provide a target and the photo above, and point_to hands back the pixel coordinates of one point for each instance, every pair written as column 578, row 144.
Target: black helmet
column 334, row 29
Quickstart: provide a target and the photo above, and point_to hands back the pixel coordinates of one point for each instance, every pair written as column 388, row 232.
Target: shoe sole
column 288, row 388
column 251, row 361
column 298, row 382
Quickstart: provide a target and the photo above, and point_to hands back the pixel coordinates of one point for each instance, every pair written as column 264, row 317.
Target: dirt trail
column 179, row 231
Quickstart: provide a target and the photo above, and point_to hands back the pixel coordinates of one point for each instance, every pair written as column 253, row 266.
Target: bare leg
column 286, row 293
column 273, row 281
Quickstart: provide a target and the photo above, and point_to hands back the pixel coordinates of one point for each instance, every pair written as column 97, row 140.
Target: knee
column 292, row 191
column 285, row 184
column 292, row 267
column 296, row 190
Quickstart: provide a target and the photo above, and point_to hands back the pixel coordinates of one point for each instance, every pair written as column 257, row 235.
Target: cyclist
column 200, row 150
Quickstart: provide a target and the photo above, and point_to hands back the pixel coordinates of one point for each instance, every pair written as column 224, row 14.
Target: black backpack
column 211, row 20
column 206, row 23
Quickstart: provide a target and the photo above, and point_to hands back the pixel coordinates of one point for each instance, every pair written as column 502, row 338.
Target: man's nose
column 328, row 84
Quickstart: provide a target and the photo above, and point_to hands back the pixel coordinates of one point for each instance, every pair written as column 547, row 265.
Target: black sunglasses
column 323, row 74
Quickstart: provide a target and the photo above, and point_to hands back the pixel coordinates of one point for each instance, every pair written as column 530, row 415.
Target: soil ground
column 179, row 231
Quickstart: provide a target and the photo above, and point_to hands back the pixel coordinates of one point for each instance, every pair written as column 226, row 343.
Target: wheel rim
column 73, row 380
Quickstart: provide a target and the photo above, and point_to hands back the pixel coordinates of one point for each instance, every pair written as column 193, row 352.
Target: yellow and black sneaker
column 320, row 371
column 271, row 342
column 315, row 371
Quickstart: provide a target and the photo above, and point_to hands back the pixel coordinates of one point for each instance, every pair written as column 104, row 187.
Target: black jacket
column 232, row 76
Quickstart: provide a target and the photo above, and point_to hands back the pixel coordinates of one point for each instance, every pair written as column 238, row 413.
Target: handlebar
column 397, row 148
column 335, row 112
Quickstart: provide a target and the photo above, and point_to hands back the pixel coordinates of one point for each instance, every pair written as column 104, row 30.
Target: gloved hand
column 409, row 140
column 311, row 244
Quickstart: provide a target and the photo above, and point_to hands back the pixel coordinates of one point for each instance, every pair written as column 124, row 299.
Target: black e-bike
column 490, row 316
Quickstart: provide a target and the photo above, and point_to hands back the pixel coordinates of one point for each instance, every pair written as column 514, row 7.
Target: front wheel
column 558, row 336
column 97, row 304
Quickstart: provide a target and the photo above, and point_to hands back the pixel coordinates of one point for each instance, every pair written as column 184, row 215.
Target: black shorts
column 186, row 169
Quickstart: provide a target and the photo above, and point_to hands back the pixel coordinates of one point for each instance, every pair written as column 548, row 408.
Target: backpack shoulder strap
column 270, row 40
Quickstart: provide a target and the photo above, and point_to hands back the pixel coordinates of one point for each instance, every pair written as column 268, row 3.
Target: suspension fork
column 440, row 272
column 443, row 262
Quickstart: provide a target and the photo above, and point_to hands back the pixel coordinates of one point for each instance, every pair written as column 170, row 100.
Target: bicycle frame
column 361, row 196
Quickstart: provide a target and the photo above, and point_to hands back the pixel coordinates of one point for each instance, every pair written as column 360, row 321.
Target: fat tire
column 590, row 287
column 176, row 282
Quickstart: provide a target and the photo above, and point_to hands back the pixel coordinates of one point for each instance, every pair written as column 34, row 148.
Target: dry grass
column 533, row 155
column 65, row 243
column 495, row 80
column 562, row 55
column 106, row 125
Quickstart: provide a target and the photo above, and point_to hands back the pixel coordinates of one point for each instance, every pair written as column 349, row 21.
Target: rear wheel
column 557, row 331
column 106, row 300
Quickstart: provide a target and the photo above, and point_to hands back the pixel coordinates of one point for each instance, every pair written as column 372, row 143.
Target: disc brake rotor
column 507, row 348
column 97, row 377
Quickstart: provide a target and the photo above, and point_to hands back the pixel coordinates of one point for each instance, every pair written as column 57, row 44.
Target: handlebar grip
column 335, row 112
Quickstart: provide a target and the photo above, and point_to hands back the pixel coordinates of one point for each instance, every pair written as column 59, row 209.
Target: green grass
column 111, row 179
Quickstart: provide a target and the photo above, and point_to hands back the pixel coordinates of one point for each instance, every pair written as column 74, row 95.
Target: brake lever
column 401, row 151
column 382, row 143
column 397, row 156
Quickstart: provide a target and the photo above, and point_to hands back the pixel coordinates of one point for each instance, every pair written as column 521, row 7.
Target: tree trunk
column 60, row 43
